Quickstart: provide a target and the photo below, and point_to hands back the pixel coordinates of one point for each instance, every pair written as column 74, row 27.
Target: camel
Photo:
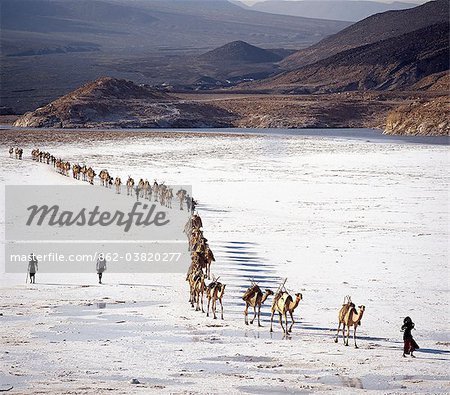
column 104, row 177
column 214, row 293
column 348, row 316
column 146, row 189
column 18, row 153
column 83, row 171
column 197, row 286
column 255, row 298
column 162, row 194
column 283, row 304
column 130, row 185
column 34, row 153
column 118, row 183
column 76, row 171
column 66, row 168
column 346, row 306
column 155, row 189
column 181, row 195
column 11, row 152
column 209, row 259
column 90, row 175
column 141, row 187
column 169, row 197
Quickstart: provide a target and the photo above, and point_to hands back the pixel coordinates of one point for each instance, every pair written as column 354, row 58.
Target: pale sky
column 250, row 2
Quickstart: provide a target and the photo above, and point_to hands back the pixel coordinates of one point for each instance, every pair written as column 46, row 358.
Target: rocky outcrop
column 425, row 119
column 114, row 103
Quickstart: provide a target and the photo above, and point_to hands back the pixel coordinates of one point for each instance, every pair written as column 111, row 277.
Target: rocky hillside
column 110, row 102
column 370, row 30
column 428, row 118
column 392, row 64
column 240, row 51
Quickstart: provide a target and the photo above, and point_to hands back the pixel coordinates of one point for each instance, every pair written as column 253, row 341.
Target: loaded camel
column 283, row 303
column 130, row 185
column 118, row 183
column 214, row 293
column 348, row 316
column 255, row 298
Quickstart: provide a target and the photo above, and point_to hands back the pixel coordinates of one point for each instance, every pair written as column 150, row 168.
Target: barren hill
column 395, row 63
column 429, row 118
column 372, row 29
column 69, row 42
column 110, row 102
column 240, row 51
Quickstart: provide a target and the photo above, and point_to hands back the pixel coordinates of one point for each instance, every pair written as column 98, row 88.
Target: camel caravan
column 200, row 270
column 18, row 152
column 202, row 257
column 157, row 192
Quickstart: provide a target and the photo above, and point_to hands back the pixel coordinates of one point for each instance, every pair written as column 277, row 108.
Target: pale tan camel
column 104, row 177
column 283, row 304
column 214, row 293
column 352, row 318
column 118, row 183
column 130, row 185
column 255, row 298
column 346, row 306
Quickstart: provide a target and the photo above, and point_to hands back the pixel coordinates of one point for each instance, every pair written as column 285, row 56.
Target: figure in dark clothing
column 32, row 268
column 188, row 203
column 101, row 267
column 410, row 344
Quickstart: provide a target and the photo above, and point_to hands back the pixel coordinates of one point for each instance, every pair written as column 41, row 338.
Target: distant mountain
column 49, row 47
column 375, row 28
column 139, row 25
column 395, row 63
column 341, row 10
column 240, row 51
column 109, row 102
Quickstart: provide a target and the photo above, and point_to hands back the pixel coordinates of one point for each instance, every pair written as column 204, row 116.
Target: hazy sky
column 381, row 1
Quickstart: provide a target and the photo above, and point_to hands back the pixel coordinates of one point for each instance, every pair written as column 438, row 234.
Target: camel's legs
column 214, row 307
column 281, row 322
column 271, row 320
column 201, row 295
column 259, row 315
column 293, row 322
column 348, row 334
column 207, row 310
column 246, row 313
column 354, row 335
column 337, row 334
column 254, row 315
column 286, row 323
column 221, row 309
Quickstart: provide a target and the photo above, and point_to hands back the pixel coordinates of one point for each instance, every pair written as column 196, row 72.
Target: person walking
column 101, row 267
column 32, row 268
column 409, row 344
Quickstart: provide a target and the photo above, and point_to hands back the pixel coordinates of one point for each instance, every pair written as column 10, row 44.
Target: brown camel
column 214, row 293
column 198, row 286
column 255, row 298
column 283, row 304
column 351, row 318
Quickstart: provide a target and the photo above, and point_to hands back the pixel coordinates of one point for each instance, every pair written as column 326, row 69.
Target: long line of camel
column 201, row 254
